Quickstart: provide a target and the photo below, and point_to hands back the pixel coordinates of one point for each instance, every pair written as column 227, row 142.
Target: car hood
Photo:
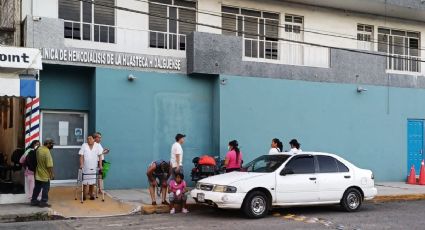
column 229, row 178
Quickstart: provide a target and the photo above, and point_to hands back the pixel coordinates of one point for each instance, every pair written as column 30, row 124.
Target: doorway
column 69, row 131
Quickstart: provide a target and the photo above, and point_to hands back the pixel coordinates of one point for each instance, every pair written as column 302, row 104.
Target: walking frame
column 80, row 184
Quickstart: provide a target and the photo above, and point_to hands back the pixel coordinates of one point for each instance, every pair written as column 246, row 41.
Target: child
column 177, row 190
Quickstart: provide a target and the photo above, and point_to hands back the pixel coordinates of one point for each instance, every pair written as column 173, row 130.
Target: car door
column 299, row 186
column 333, row 178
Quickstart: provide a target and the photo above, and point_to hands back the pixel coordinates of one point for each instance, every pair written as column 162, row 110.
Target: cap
column 179, row 136
column 49, row 141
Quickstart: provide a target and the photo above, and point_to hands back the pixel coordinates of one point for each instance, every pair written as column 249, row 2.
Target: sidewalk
column 134, row 201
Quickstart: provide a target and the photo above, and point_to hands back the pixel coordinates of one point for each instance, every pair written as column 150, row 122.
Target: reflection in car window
column 327, row 164
column 342, row 167
column 301, row 165
column 265, row 164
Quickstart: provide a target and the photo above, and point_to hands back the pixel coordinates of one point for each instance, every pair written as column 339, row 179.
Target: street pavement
column 387, row 215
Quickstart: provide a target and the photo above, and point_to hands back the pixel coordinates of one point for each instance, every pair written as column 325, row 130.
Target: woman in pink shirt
column 233, row 157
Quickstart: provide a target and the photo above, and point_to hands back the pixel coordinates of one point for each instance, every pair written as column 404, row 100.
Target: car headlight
column 198, row 185
column 225, row 189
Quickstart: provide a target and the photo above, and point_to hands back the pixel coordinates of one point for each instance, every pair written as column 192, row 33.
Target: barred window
column 364, row 37
column 259, row 30
column 88, row 21
column 171, row 33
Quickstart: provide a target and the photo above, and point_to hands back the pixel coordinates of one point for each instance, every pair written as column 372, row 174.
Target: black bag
column 16, row 156
column 31, row 160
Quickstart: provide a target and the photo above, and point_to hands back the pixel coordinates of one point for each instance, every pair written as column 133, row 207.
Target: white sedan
column 308, row 178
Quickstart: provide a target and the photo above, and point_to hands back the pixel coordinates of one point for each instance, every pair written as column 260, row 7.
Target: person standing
column 233, row 159
column 276, row 146
column 43, row 174
column 29, row 161
column 98, row 138
column 89, row 161
column 295, row 147
column 177, row 155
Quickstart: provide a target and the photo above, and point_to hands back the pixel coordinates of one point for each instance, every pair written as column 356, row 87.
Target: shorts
column 160, row 179
column 173, row 198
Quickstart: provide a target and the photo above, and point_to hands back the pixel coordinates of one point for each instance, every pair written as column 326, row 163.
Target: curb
column 390, row 198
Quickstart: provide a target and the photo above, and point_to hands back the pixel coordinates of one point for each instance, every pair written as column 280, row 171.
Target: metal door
column 415, row 144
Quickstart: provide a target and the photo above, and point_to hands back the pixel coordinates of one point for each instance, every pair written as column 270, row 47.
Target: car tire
column 255, row 205
column 351, row 200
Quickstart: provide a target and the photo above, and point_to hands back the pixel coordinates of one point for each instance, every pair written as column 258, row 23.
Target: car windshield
column 265, row 163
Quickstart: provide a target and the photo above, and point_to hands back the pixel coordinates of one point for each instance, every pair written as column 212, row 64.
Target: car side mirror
column 286, row 171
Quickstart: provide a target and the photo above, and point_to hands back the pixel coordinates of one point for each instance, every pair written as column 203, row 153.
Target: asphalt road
column 394, row 215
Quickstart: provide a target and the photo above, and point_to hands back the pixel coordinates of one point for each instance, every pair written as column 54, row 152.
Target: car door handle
column 347, row 177
column 312, row 178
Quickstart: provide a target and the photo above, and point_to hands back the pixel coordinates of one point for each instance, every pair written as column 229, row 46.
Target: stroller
column 205, row 166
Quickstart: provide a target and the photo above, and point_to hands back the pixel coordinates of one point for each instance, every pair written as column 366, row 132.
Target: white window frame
column 64, row 112
column 178, row 25
column 361, row 43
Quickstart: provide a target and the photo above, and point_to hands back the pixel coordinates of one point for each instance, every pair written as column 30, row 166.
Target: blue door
column 415, row 144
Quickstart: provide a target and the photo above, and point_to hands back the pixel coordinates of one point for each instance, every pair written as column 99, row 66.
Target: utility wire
column 324, row 33
column 246, row 33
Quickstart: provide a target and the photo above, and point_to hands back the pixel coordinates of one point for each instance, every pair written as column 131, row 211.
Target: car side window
column 327, row 164
column 302, row 165
column 342, row 167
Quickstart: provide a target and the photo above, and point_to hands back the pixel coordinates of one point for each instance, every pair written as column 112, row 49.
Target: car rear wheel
column 256, row 205
column 351, row 200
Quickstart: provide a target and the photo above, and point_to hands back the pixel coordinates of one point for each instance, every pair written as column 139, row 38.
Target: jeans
column 41, row 185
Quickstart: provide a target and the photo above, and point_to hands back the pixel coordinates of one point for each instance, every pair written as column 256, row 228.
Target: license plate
column 201, row 197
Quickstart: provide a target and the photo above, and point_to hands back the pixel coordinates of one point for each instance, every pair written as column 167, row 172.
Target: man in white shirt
column 177, row 154
column 98, row 139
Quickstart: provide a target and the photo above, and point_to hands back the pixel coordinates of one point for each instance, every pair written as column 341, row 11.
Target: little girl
column 177, row 190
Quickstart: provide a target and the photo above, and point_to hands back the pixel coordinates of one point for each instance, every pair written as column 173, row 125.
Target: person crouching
column 177, row 193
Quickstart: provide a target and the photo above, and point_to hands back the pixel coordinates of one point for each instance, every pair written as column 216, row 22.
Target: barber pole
column 32, row 120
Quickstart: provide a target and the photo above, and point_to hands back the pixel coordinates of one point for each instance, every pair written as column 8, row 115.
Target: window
column 342, row 167
column 365, row 37
column 403, row 48
column 171, row 33
column 259, row 30
column 266, row 163
column 88, row 21
column 293, row 24
column 327, row 164
column 302, row 165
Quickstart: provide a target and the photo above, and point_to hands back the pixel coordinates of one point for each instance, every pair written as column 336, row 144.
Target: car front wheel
column 255, row 205
column 352, row 200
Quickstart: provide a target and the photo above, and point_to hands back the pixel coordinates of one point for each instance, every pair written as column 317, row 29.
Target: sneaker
column 44, row 205
column 185, row 210
column 165, row 202
column 153, row 202
column 172, row 211
column 92, row 198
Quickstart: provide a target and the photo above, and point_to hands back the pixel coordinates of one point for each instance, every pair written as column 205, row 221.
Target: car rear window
column 342, row 167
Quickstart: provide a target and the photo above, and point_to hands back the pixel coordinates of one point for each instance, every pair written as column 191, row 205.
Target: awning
column 19, row 87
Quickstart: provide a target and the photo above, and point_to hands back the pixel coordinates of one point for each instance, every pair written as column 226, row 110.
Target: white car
column 308, row 178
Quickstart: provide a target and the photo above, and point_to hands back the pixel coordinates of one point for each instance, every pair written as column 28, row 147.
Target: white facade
column 132, row 28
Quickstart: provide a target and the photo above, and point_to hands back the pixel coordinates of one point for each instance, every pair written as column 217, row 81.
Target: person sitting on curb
column 158, row 170
column 177, row 193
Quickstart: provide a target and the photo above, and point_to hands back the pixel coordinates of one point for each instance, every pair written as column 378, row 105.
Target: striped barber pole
column 32, row 120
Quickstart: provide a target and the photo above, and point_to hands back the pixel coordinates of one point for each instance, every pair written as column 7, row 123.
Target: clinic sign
column 20, row 58
column 109, row 58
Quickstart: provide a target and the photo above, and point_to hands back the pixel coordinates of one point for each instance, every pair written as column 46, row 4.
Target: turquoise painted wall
column 67, row 88
column 368, row 129
column 140, row 119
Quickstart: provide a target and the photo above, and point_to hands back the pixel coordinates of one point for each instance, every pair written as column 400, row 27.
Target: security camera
column 36, row 18
column 361, row 89
column 131, row 77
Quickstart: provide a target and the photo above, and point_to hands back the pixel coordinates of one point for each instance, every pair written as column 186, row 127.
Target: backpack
column 31, row 160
